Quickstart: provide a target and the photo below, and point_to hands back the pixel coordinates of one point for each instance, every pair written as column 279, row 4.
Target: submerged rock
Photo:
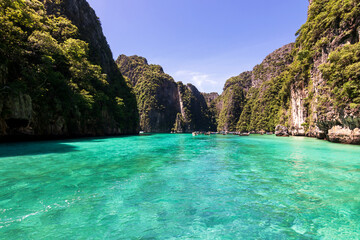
column 281, row 131
column 340, row 134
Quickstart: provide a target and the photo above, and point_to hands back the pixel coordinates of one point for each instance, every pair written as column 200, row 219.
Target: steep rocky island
column 311, row 88
column 164, row 105
column 249, row 100
column 57, row 74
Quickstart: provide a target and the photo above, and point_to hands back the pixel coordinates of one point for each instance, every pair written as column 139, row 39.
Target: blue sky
column 203, row 42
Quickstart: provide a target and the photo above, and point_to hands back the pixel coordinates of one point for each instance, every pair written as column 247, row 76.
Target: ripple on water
column 180, row 187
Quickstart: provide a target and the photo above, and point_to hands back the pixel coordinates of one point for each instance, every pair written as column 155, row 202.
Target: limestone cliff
column 210, row 97
column 325, row 89
column 194, row 113
column 245, row 102
column 230, row 103
column 310, row 87
column 84, row 18
column 57, row 75
column 156, row 92
column 164, row 105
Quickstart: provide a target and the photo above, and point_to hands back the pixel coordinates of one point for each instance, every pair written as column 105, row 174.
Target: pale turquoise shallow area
column 168, row 186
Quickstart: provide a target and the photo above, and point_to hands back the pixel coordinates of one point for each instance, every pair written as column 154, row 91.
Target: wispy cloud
column 204, row 82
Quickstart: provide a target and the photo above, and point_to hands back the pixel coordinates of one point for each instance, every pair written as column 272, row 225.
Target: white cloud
column 204, row 82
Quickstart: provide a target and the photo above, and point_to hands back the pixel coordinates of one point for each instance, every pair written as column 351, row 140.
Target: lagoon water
column 167, row 186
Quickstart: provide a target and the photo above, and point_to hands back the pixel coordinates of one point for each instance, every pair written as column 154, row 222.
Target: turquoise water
column 180, row 187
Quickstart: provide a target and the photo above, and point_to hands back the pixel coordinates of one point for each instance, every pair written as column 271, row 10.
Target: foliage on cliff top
column 197, row 115
column 148, row 82
column 252, row 100
column 342, row 72
column 243, row 80
column 42, row 56
column 326, row 21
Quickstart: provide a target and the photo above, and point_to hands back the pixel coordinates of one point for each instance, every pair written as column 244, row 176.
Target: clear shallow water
column 180, row 187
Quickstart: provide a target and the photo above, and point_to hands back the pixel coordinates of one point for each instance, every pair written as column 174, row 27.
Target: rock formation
column 194, row 113
column 210, row 97
column 57, row 75
column 310, row 87
column 164, row 105
column 248, row 100
column 339, row 134
column 324, row 92
column 58, row 79
column 281, row 131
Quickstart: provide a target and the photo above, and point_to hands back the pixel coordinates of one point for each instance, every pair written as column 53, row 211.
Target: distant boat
column 244, row 134
column 141, row 132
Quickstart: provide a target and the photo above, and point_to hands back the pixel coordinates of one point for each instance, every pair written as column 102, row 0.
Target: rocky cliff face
column 210, row 97
column 327, row 95
column 156, row 92
column 164, row 105
column 242, row 105
column 80, row 13
column 194, row 114
column 310, row 87
column 84, row 17
column 58, row 78
column 272, row 66
column 230, row 103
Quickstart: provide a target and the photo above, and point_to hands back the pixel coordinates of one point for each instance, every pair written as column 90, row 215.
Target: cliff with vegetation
column 310, row 88
column 156, row 92
column 195, row 113
column 210, row 97
column 249, row 102
column 325, row 81
column 164, row 105
column 57, row 75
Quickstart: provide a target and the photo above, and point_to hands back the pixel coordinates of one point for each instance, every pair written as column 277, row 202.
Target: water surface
column 180, row 187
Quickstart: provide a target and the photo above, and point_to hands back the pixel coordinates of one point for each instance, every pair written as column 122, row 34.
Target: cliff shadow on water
column 34, row 148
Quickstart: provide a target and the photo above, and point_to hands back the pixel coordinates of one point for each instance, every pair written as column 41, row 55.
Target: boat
column 244, row 134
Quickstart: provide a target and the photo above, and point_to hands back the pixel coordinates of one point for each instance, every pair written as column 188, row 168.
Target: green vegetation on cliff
column 310, row 85
column 195, row 114
column 165, row 105
column 253, row 101
column 156, row 93
column 342, row 73
column 328, row 45
column 45, row 66
column 263, row 107
column 328, row 20
column 233, row 102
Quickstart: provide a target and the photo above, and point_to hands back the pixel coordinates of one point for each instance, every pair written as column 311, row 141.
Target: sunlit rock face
column 309, row 87
column 339, row 134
